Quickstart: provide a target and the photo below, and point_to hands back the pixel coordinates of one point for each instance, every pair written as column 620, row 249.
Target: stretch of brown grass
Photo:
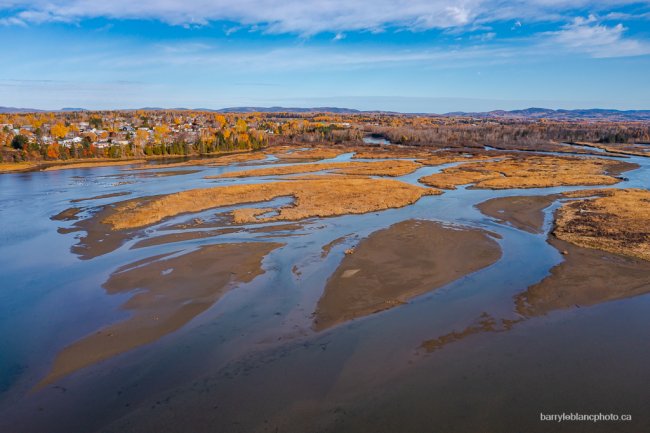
column 313, row 198
column 620, row 148
column 216, row 161
column 530, row 172
column 294, row 153
column 93, row 164
column 391, row 152
column 378, row 168
column 618, row 222
column 8, row 167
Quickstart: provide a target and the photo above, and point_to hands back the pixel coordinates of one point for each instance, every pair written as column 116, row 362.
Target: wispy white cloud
column 304, row 16
column 590, row 36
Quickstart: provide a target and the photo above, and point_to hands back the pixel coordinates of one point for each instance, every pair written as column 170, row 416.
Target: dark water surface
column 252, row 362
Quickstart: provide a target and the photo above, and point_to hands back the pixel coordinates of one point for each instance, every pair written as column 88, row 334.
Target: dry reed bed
column 530, row 172
column 391, row 152
column 618, row 221
column 378, row 168
column 423, row 156
column 66, row 166
column 313, row 198
column 298, row 153
column 620, row 148
column 9, row 167
column 216, row 161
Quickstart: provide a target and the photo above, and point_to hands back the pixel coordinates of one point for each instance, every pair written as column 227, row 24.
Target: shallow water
column 252, row 361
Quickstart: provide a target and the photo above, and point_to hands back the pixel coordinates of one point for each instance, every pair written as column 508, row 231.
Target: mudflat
column 167, row 293
column 523, row 212
column 586, row 277
column 399, row 263
column 102, row 196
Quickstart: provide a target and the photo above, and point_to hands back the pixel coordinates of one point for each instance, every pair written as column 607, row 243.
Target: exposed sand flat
column 618, row 222
column 69, row 214
column 384, row 271
column 312, row 198
column 98, row 197
column 147, row 174
column 534, row 171
column 379, row 168
column 170, row 292
column 485, row 323
column 325, row 250
column 182, row 236
column 585, row 277
column 523, row 212
column 101, row 163
column 190, row 163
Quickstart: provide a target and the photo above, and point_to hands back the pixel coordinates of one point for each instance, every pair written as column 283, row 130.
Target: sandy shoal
column 586, row 277
column 167, row 293
column 523, row 212
column 384, row 271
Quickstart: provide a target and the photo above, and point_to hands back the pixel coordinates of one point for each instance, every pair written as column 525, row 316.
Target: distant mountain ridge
column 335, row 110
column 19, row 110
column 532, row 113
column 547, row 113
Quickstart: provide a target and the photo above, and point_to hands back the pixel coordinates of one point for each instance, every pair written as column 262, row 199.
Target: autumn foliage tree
column 59, row 130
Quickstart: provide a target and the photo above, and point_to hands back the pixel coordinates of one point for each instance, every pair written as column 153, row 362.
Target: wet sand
column 69, row 214
column 396, row 264
column 168, row 292
column 485, row 323
column 148, row 174
column 328, row 247
column 98, row 197
column 523, row 212
column 180, row 237
column 586, row 277
column 98, row 239
column 276, row 228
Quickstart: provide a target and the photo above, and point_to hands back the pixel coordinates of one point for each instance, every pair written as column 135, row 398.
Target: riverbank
column 24, row 166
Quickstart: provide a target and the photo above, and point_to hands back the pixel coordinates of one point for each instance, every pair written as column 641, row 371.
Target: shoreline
column 33, row 166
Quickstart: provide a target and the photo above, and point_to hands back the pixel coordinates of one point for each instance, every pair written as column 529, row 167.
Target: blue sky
column 411, row 56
